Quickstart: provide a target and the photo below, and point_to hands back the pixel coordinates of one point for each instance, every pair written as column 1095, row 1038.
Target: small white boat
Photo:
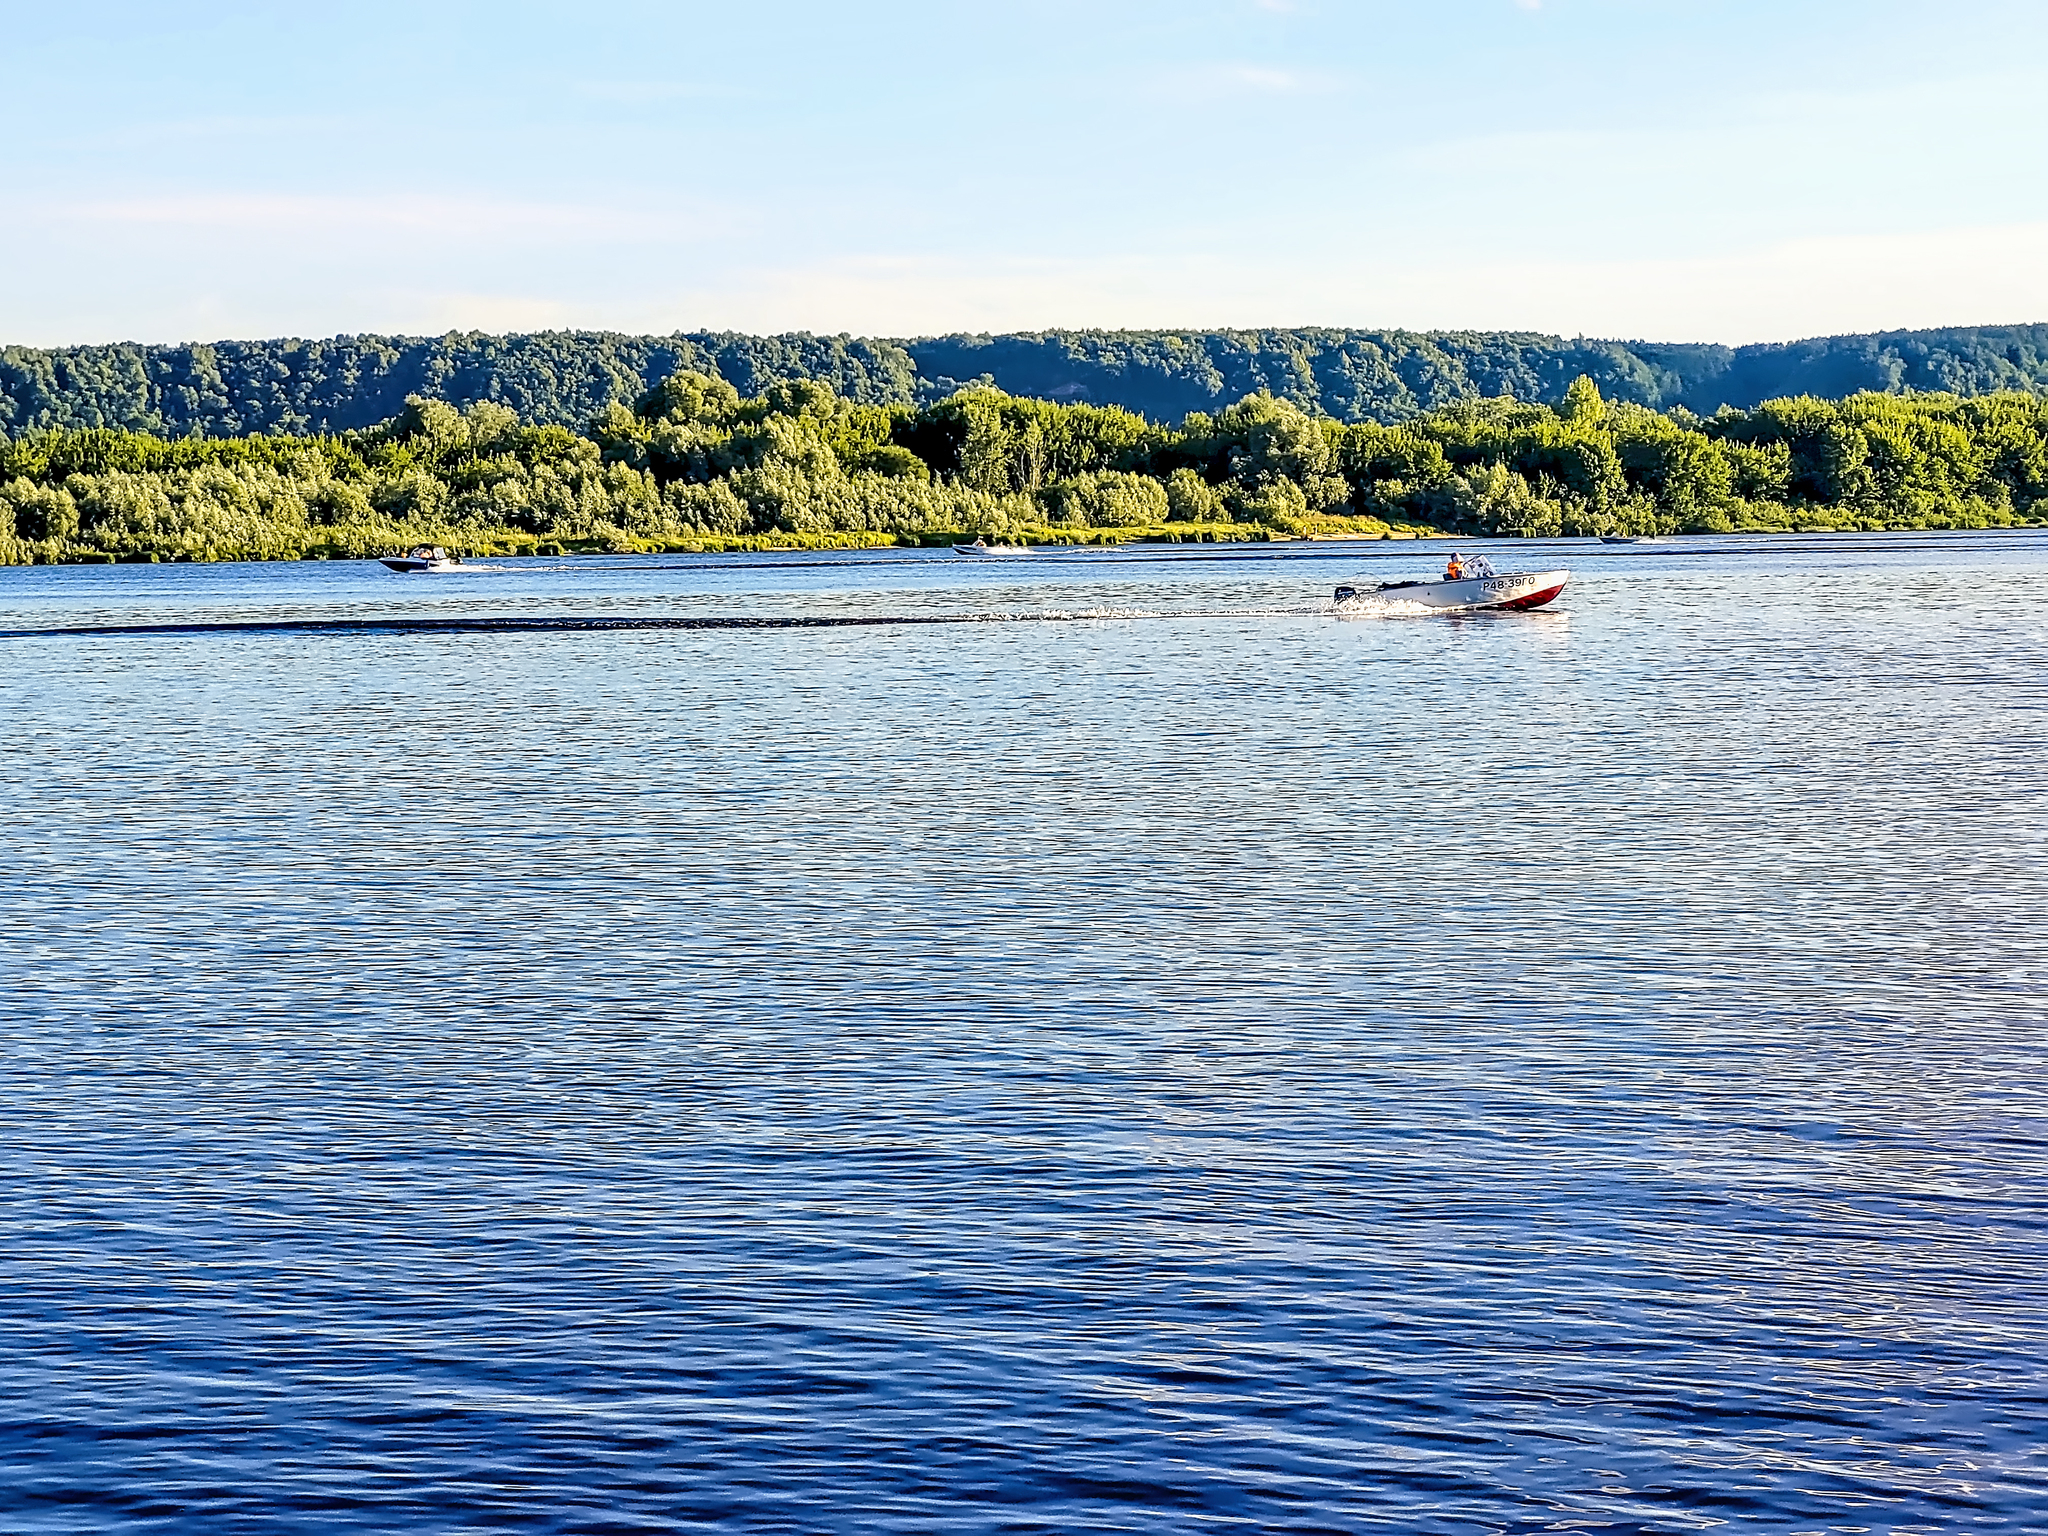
column 1471, row 594
column 431, row 558
column 981, row 549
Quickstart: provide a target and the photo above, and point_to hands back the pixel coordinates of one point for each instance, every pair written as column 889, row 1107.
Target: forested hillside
column 694, row 465
column 563, row 378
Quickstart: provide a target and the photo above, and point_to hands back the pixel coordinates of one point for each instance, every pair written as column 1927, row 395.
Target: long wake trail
column 513, row 624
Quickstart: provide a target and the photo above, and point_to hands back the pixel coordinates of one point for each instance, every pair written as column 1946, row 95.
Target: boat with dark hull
column 425, row 559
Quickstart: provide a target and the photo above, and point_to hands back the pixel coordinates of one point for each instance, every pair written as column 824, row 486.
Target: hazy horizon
column 1522, row 330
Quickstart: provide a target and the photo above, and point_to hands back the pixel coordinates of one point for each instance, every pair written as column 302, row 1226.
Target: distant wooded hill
column 226, row 389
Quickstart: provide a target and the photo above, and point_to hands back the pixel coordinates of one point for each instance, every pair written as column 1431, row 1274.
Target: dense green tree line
column 694, row 463
column 563, row 378
column 226, row 389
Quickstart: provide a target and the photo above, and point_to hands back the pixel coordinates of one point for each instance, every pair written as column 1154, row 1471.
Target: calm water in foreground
column 1234, row 1070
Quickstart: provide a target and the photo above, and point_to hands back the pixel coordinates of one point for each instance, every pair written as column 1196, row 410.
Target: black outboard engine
column 1343, row 593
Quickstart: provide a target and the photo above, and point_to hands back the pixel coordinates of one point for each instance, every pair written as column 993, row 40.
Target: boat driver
column 1462, row 569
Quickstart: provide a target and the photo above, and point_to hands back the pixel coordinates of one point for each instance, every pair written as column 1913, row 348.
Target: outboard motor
column 1344, row 593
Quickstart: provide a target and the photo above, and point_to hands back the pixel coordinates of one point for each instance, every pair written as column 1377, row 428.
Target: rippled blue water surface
column 1233, row 1068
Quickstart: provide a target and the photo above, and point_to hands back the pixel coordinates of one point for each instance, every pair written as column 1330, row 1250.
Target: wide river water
column 1213, row 1066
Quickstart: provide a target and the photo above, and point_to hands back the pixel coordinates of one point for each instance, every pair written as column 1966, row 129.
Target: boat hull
column 406, row 567
column 1513, row 592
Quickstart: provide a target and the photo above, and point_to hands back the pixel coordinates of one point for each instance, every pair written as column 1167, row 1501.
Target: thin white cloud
column 650, row 92
column 1259, row 78
column 1223, row 81
column 219, row 126
column 454, row 218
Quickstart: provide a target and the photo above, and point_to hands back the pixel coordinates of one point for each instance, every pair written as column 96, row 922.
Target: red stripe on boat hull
column 1535, row 599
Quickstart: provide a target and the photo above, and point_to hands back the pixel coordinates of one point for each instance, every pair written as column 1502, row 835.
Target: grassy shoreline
column 694, row 468
column 515, row 547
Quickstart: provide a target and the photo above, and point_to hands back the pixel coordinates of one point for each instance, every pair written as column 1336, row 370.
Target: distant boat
column 1473, row 594
column 981, row 549
column 431, row 559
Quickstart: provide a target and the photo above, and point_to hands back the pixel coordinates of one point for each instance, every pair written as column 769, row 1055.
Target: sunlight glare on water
column 1210, row 1066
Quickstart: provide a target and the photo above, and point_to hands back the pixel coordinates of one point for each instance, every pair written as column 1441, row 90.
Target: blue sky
column 1672, row 169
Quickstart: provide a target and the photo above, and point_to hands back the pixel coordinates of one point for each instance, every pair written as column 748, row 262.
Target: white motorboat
column 1470, row 594
column 981, row 549
column 428, row 558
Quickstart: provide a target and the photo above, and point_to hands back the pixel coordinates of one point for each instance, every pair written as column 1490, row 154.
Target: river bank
column 513, row 544
column 693, row 468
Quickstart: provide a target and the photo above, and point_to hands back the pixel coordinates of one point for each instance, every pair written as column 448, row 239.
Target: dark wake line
column 488, row 624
